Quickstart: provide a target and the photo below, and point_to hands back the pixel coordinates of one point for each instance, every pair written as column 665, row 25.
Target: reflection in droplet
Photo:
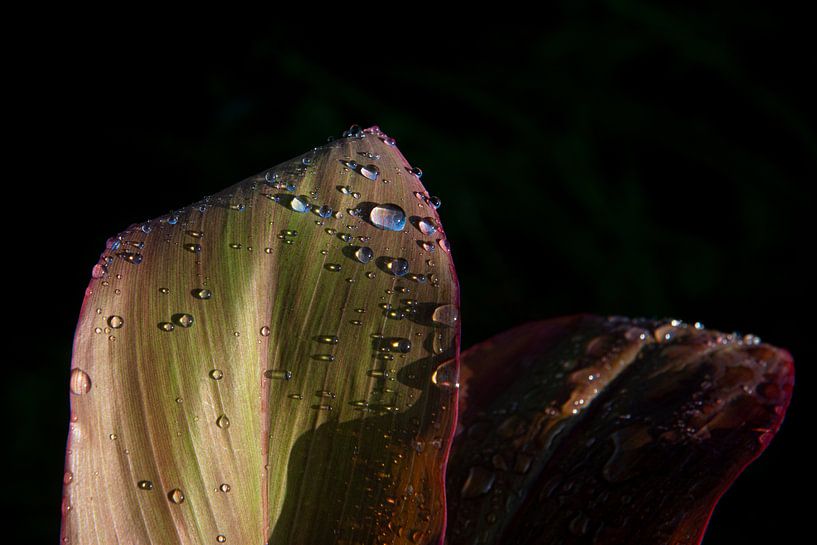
column 116, row 322
column 446, row 315
column 220, row 538
column 397, row 266
column 389, row 217
column 202, row 293
column 176, row 496
column 364, row 254
column 426, row 226
column 370, row 171
column 80, row 382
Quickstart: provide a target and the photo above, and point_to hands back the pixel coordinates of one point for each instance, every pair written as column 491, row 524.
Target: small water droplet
column 116, row 322
column 113, row 437
column 195, row 248
column 389, row 141
column 224, row 487
column 444, row 244
column 389, row 217
column 445, row 376
column 166, row 326
column 184, row 320
column 334, row 267
column 131, row 257
column 280, row 374
column 265, row 331
column 400, row 345
column 195, row 234
column 397, row 266
column 364, row 254
column 80, row 382
column 417, row 171
column 324, row 211
column 148, row 485
column 176, row 496
column 99, row 271
column 67, row 477
column 327, row 339
column 435, row 201
column 220, row 538
column 164, row 291
column 216, row 374
column 323, row 407
column 202, row 293
column 370, row 275
column 295, row 396
column 235, row 245
column 324, row 357
column 223, row 422
column 426, row 226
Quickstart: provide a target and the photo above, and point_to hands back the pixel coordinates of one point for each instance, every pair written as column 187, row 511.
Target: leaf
column 607, row 430
column 243, row 372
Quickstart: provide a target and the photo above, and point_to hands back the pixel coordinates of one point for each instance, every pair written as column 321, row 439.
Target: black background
column 620, row 159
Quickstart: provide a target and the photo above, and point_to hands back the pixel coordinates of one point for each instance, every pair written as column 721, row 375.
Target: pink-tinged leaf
column 251, row 369
column 593, row 430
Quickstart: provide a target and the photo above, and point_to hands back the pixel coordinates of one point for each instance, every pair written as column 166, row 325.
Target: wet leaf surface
column 593, row 430
column 265, row 364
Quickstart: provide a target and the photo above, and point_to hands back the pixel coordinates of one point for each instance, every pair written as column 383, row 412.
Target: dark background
column 621, row 159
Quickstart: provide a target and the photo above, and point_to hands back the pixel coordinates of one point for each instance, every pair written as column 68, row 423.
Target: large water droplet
column 446, row 315
column 426, row 226
column 80, row 382
column 299, row 204
column 445, row 376
column 223, row 422
column 116, row 322
column 397, row 266
column 364, row 254
column 176, row 496
column 370, row 171
column 388, row 216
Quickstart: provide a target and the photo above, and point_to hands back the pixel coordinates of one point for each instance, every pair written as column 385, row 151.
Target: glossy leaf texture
column 270, row 364
column 586, row 429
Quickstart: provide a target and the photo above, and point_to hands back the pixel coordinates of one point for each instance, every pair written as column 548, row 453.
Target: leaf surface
column 593, row 430
column 246, row 370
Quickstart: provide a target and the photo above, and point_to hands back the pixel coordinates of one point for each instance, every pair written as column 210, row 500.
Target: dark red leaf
column 594, row 430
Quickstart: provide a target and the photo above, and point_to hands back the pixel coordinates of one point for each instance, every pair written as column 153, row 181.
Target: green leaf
column 243, row 373
column 593, row 430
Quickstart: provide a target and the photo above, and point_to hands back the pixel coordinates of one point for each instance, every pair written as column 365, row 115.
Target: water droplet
column 389, row 217
column 216, row 374
column 235, row 245
column 184, row 320
column 446, row 315
column 131, row 257
column 370, row 171
column 116, row 322
column 444, row 244
column 428, row 246
column 80, row 382
column 400, row 345
column 426, row 226
column 323, row 407
column 195, row 234
column 364, row 254
column 445, row 376
column 202, row 293
column 220, row 538
column 164, row 291
column 390, row 141
column 479, row 482
column 223, row 422
column 67, row 477
column 324, row 211
column 176, row 496
column 265, row 331
column 224, row 487
column 417, row 171
column 148, row 485
column 327, row 339
column 295, row 396
column 370, row 275
column 166, row 326
column 355, row 195
column 334, row 267
column 299, row 204
column 324, row 357
column 397, row 266
column 280, row 374
column 99, row 271
column 435, row 201
column 195, row 248
column 113, row 437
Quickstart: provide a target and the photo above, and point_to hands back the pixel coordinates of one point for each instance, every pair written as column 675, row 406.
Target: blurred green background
column 621, row 158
